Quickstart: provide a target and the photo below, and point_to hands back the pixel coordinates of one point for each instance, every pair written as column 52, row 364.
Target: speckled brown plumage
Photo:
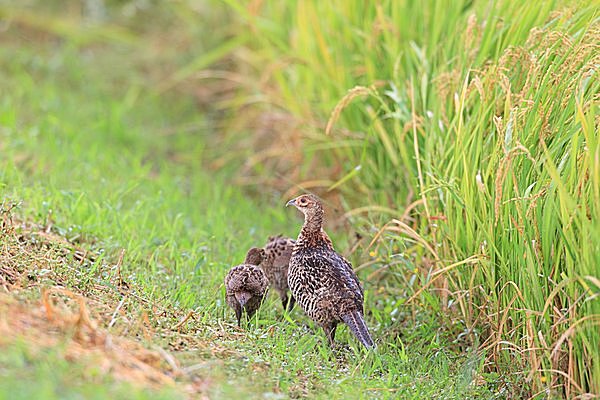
column 278, row 252
column 321, row 280
column 246, row 284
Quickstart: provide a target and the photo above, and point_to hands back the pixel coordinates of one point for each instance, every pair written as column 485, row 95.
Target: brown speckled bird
column 321, row 280
column 246, row 284
column 276, row 264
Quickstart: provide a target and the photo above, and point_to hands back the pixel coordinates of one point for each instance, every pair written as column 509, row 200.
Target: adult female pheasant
column 246, row 285
column 321, row 280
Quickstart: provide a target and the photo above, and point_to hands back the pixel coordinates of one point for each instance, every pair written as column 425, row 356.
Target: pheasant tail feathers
column 357, row 325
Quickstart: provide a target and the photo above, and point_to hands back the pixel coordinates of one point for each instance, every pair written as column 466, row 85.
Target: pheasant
column 321, row 280
column 276, row 264
column 246, row 284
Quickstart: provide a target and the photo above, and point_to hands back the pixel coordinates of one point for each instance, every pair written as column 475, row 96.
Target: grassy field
column 140, row 161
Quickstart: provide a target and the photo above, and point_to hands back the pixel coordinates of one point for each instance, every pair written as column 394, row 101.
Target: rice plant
column 478, row 123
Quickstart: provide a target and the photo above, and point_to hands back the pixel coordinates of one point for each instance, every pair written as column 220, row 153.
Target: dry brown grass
column 46, row 324
column 89, row 324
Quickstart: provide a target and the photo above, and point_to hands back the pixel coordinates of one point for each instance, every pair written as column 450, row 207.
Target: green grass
column 90, row 150
column 46, row 374
column 476, row 128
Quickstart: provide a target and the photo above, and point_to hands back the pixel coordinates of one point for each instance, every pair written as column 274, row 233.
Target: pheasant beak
column 291, row 203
